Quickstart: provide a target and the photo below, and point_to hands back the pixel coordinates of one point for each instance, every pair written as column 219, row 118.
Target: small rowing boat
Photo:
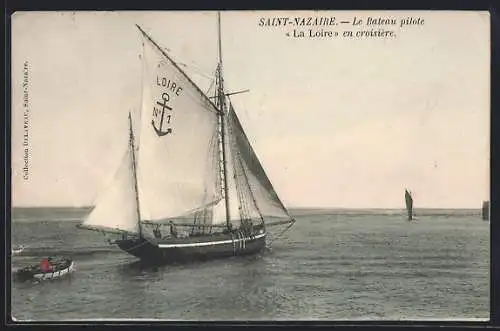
column 18, row 249
column 60, row 269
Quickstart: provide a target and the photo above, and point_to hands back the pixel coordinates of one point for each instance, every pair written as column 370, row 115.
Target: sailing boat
column 195, row 170
column 409, row 205
column 485, row 211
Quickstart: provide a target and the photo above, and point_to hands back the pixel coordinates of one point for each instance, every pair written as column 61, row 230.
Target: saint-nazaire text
column 297, row 21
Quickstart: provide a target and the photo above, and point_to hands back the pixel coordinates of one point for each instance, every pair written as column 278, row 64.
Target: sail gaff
column 179, row 124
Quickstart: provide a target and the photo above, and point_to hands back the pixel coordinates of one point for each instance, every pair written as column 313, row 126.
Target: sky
column 335, row 122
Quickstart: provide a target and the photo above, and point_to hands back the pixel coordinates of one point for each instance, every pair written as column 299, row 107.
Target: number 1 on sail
column 161, row 113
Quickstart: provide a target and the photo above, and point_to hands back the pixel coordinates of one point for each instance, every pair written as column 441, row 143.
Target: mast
column 221, row 104
column 135, row 175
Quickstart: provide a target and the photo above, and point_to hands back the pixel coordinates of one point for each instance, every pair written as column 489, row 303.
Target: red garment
column 45, row 265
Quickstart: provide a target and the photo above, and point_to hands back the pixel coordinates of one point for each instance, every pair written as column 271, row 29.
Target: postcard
column 250, row 165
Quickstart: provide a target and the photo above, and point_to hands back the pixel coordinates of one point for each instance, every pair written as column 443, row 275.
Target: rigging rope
column 269, row 244
column 194, row 68
column 239, row 175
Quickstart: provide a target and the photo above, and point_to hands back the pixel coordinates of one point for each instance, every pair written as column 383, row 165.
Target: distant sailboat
column 485, row 211
column 195, row 170
column 409, row 205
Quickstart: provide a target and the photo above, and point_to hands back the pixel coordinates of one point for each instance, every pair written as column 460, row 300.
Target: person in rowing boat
column 46, row 265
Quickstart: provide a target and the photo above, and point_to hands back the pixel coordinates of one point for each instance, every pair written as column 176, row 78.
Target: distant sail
column 116, row 208
column 177, row 143
column 485, row 210
column 409, row 205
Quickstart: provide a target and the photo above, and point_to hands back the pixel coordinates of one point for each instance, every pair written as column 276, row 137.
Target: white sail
column 264, row 199
column 116, row 208
column 177, row 143
column 219, row 210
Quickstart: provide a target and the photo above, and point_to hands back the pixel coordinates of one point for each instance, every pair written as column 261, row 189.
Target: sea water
column 332, row 265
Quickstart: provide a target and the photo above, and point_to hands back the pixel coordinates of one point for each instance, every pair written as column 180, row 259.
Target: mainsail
column 177, row 143
column 409, row 204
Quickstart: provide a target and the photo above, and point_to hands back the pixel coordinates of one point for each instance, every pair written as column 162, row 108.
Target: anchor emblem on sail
column 160, row 116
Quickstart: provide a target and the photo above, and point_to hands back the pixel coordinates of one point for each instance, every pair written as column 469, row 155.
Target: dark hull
column 61, row 269
column 197, row 248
